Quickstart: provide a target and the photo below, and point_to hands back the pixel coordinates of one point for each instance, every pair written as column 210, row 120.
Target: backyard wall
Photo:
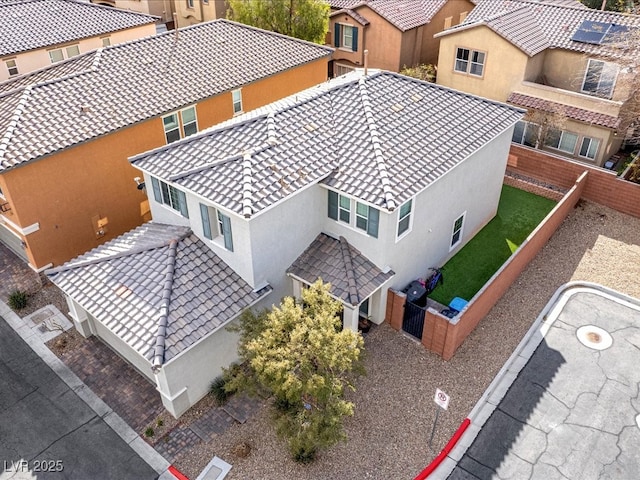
column 442, row 335
column 603, row 186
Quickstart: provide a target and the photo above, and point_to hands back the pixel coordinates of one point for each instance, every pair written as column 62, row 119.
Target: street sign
column 441, row 399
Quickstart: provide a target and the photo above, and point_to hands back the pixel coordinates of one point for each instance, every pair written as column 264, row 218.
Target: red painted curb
column 445, row 451
column 177, row 473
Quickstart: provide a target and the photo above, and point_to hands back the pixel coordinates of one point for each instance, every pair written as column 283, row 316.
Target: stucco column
column 350, row 318
column 177, row 403
column 79, row 316
column 297, row 288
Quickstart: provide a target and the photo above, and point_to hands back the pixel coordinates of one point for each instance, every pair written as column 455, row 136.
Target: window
column 404, row 217
column 60, row 54
column 220, row 227
column 469, row 61
column 170, row 196
column 175, row 130
column 106, row 41
column 366, row 217
column 190, row 3
column 237, row 101
column 346, row 37
column 561, row 140
column 525, row 133
column 589, row 147
column 12, row 67
column 340, row 70
column 456, row 235
column 1, row 193
column 600, row 78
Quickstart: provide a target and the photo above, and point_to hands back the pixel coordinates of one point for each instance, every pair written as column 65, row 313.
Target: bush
column 149, row 432
column 18, row 300
column 219, row 390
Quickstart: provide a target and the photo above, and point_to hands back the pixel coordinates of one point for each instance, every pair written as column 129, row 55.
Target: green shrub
column 219, row 391
column 159, row 422
column 149, row 432
column 18, row 300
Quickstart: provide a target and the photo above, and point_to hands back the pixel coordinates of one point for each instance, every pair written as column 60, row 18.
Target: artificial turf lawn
column 519, row 212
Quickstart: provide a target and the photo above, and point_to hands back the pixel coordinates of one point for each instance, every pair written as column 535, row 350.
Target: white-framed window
column 2, row 194
column 589, row 148
column 345, row 37
column 190, row 3
column 456, row 234
column 180, row 124
column 170, row 196
column 236, row 96
column 366, row 217
column 469, row 61
column 561, row 140
column 404, row 217
column 106, row 41
column 59, row 54
column 339, row 69
column 599, row 78
column 525, row 133
column 216, row 225
column 12, row 67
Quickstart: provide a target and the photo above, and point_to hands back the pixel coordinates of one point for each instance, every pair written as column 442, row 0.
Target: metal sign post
column 442, row 400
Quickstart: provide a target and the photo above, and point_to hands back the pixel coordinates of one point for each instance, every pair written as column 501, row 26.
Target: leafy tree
column 611, row 5
column 299, row 353
column 423, row 72
column 305, row 19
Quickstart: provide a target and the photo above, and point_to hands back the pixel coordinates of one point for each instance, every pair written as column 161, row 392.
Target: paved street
column 573, row 412
column 47, row 431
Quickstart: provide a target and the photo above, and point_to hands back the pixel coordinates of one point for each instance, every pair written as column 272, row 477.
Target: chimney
column 366, row 62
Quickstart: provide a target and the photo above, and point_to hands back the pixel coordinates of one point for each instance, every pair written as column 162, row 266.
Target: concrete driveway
column 573, row 410
column 47, row 431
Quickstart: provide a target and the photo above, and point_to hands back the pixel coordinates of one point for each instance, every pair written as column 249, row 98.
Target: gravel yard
column 388, row 436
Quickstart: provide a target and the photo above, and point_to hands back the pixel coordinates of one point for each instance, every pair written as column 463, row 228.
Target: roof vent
column 397, row 107
column 85, row 109
column 416, row 98
column 310, row 127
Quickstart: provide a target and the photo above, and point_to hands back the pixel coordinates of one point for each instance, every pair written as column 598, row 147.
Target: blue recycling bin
column 458, row 304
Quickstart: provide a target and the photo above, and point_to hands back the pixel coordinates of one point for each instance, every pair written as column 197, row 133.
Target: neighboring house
column 562, row 62
column 396, row 33
column 66, row 132
column 164, row 9
column 37, row 33
column 190, row 12
column 365, row 182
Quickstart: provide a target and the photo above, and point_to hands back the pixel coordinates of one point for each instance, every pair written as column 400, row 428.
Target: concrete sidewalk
column 565, row 405
column 47, row 413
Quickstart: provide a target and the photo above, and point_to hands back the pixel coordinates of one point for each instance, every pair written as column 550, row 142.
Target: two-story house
column 364, row 181
column 37, row 33
column 190, row 12
column 66, row 132
column 163, row 9
column 567, row 64
column 396, row 33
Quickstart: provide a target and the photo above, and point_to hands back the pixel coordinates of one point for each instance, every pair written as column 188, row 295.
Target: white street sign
column 441, row 399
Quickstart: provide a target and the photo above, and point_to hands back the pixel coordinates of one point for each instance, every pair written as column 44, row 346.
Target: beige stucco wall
column 455, row 9
column 37, row 59
column 160, row 8
column 201, row 11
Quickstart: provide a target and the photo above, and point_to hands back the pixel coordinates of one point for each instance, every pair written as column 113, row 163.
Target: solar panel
column 591, row 32
column 615, row 33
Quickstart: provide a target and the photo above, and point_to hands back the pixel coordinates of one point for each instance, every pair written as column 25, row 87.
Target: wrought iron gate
column 413, row 320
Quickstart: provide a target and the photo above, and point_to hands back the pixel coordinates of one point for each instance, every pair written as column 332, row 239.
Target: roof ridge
column 354, row 297
column 247, row 197
column 13, row 123
column 377, row 148
column 163, row 318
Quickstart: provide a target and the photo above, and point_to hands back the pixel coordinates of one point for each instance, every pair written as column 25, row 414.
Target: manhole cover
column 594, row 337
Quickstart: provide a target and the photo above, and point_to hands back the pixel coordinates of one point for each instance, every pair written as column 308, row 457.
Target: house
column 395, row 33
column 190, row 12
column 163, row 9
column 567, row 64
column 37, row 33
column 364, row 181
column 66, row 132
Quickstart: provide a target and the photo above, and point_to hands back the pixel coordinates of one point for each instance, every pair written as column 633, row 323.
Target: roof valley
column 17, row 113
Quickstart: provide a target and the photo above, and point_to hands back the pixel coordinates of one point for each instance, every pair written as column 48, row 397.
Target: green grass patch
column 519, row 212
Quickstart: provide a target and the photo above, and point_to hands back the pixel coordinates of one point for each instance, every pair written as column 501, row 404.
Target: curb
column 102, row 410
column 445, row 451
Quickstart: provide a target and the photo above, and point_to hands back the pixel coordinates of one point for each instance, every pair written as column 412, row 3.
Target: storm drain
column 594, row 337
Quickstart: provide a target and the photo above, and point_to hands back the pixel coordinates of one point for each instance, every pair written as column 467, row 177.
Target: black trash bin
column 416, row 293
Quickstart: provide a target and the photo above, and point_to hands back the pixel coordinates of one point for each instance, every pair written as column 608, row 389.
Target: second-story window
column 106, row 41
column 600, row 78
column 170, row 196
column 366, row 218
column 216, row 224
column 346, row 37
column 236, row 96
column 60, row 54
column 404, row 217
column 181, row 124
column 190, row 3
column 469, row 61
column 12, row 67
column 171, row 127
column 189, row 122
column 456, row 234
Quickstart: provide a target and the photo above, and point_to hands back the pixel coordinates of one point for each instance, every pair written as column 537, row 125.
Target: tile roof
column 403, row 14
column 120, row 85
column 353, row 276
column 125, row 283
column 31, row 24
column 381, row 138
column 575, row 113
column 536, row 25
column 355, row 15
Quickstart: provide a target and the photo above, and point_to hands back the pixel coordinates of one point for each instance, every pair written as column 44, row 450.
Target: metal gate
column 413, row 320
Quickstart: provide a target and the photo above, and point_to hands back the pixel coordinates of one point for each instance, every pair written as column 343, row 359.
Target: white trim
column 452, row 246
column 411, row 215
column 34, row 227
column 41, row 269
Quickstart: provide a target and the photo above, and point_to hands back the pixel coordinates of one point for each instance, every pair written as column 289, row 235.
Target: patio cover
column 158, row 287
column 353, row 276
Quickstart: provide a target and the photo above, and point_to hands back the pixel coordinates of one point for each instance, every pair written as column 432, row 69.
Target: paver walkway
column 16, row 275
